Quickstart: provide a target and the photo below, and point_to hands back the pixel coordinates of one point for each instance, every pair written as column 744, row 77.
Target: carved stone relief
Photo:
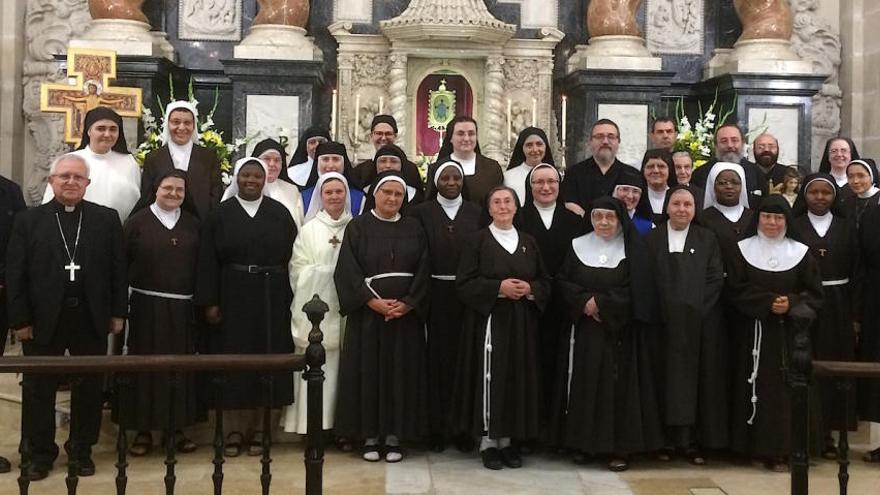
column 675, row 26
column 49, row 25
column 210, row 20
column 814, row 41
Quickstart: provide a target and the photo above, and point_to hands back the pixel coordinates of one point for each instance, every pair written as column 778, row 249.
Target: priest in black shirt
column 594, row 177
column 67, row 288
column 729, row 147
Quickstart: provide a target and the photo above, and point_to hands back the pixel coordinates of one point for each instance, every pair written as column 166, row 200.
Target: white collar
column 508, row 238
column 299, row 173
column 180, row 154
column 389, row 220
column 840, row 179
column 250, row 207
column 468, row 165
column 657, row 198
column 546, row 213
column 450, row 206
column 596, row 252
column 821, row 224
column 772, row 255
column 732, row 213
column 677, row 238
column 869, row 193
column 168, row 218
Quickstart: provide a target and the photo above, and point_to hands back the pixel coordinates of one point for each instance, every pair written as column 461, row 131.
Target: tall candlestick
column 564, row 119
column 381, row 104
column 534, row 112
column 509, row 122
column 357, row 120
column 333, row 111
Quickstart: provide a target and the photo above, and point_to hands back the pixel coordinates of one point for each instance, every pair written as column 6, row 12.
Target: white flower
column 225, row 178
column 704, row 150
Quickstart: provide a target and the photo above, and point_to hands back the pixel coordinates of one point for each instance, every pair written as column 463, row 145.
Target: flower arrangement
column 699, row 139
column 209, row 136
column 423, row 162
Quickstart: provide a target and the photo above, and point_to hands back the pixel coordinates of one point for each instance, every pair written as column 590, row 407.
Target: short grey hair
column 683, row 153
column 66, row 158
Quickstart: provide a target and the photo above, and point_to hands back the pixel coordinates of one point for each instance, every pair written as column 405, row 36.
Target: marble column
column 120, row 25
column 616, row 41
column 278, row 33
column 492, row 142
column 397, row 83
column 765, row 44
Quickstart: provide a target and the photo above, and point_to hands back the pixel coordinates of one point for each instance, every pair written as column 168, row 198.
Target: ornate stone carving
column 814, row 41
column 397, row 90
column 613, row 18
column 764, row 19
column 49, row 25
column 283, row 12
column 370, row 70
column 520, row 74
column 117, row 9
column 432, row 19
column 492, row 138
column 210, row 20
column 675, row 26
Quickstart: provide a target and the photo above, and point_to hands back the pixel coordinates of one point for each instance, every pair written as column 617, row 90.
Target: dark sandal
column 872, row 456
column 343, row 444
column 142, row 445
column 183, row 444
column 368, row 451
column 618, row 464
column 232, row 448
column 695, row 457
column 255, row 446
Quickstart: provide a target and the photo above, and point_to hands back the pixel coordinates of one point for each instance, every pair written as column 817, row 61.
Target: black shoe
column 5, row 466
column 36, row 472
column 492, row 459
column 510, row 457
column 86, row 467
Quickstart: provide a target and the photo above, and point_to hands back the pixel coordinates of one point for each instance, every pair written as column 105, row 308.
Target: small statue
column 283, row 12
column 613, row 17
column 765, row 19
column 789, row 187
column 117, row 9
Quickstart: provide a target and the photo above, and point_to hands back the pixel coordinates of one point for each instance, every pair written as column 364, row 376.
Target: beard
column 604, row 156
column 729, row 156
column 767, row 159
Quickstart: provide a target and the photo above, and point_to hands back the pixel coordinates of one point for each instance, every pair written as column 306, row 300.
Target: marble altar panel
column 536, row 14
column 633, row 123
column 353, row 11
column 272, row 116
column 675, row 27
column 218, row 20
column 783, row 123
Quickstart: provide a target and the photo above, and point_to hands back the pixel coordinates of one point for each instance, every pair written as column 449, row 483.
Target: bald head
column 68, row 178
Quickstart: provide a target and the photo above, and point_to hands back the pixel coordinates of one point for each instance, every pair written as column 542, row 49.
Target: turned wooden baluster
column 314, row 376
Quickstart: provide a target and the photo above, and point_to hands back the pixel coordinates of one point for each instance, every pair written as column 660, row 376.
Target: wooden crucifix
column 92, row 70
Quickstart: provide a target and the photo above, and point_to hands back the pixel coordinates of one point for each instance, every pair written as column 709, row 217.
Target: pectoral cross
column 72, row 268
column 335, row 241
column 822, row 252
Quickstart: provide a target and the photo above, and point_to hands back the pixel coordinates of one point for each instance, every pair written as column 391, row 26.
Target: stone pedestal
column 762, row 56
column 277, row 42
column 624, row 96
column 268, row 95
column 126, row 37
column 617, row 52
column 782, row 103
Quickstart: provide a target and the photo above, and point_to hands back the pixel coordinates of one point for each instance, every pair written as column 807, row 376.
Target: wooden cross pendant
column 335, row 241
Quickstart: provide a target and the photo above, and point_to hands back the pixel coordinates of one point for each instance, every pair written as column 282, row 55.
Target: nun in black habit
column 833, row 243
column 605, row 397
column 862, row 180
column 544, row 216
column 382, row 278
column 447, row 220
column 726, row 206
column 776, row 286
column 392, row 158
column 869, row 337
column 504, row 286
column 300, row 167
column 692, row 344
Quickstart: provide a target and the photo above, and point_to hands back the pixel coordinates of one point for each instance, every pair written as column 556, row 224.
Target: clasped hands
column 514, row 288
column 780, row 305
column 389, row 308
column 591, row 309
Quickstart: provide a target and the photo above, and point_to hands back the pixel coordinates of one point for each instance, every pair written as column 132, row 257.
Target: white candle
column 381, row 104
column 534, row 112
column 333, row 112
column 357, row 119
column 509, row 122
column 564, row 118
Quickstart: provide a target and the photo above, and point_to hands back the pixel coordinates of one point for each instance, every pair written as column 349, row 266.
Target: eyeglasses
column 603, row 137
column 71, row 177
column 547, row 182
column 388, row 134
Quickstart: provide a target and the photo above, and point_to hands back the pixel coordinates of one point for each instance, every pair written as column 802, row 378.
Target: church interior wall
column 860, row 75
column 11, row 123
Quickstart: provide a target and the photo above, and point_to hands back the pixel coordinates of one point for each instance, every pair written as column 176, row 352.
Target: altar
column 280, row 66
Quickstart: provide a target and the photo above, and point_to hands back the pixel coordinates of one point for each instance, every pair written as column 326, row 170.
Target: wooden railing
column 310, row 363
column 844, row 372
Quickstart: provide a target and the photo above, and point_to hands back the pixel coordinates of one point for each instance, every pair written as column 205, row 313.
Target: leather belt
column 256, row 269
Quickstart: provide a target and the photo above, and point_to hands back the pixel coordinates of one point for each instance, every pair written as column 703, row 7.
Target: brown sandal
column 232, row 447
column 142, row 445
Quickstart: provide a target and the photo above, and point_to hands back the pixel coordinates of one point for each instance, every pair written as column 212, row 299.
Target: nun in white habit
column 114, row 174
column 776, row 285
column 311, row 272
